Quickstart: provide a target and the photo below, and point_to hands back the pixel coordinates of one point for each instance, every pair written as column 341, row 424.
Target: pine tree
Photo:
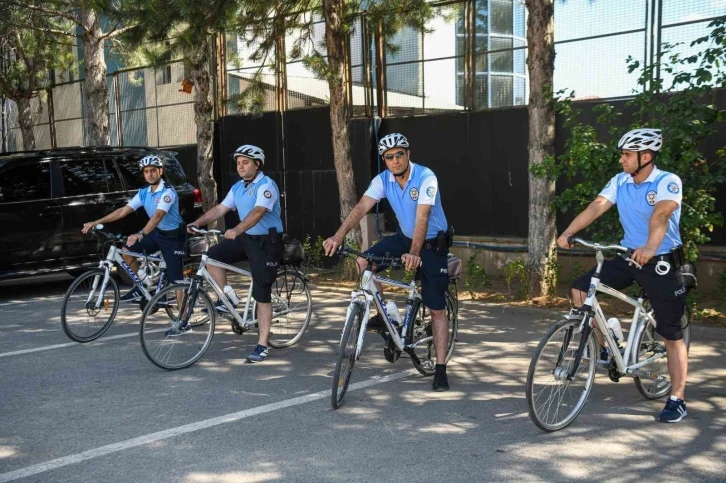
column 30, row 50
column 188, row 31
column 264, row 26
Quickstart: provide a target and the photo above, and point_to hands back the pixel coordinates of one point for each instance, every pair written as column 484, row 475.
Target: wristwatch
column 141, row 235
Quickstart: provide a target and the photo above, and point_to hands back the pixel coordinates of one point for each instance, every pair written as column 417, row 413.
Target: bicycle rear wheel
column 649, row 344
column 177, row 341
column 88, row 308
column 346, row 353
column 553, row 400
column 292, row 306
column 425, row 349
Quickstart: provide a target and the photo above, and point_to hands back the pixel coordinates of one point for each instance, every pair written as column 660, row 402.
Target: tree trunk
column 542, row 228
column 335, row 38
column 25, row 119
column 203, row 119
column 96, row 92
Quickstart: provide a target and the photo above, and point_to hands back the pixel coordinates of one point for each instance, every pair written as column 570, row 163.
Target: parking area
column 102, row 412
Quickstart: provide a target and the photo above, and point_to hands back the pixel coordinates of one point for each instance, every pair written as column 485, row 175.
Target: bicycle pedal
column 391, row 354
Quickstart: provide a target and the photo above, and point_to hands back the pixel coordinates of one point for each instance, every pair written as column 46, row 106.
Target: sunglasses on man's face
column 398, row 155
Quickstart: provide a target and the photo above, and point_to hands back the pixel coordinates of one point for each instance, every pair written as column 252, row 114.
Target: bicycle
column 180, row 342
column 91, row 302
column 414, row 336
column 562, row 369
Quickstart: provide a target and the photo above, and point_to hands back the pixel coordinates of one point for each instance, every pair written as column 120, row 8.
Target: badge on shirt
column 414, row 194
column 167, row 199
column 431, row 191
column 650, row 197
column 673, row 188
column 267, row 194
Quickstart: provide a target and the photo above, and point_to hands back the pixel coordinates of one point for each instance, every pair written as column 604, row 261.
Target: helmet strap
column 403, row 173
column 641, row 166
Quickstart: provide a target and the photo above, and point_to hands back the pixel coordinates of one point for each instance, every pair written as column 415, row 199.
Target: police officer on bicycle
column 413, row 192
column 163, row 231
column 649, row 205
column 257, row 238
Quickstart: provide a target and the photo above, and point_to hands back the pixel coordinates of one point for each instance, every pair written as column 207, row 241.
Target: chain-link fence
column 472, row 55
column 146, row 108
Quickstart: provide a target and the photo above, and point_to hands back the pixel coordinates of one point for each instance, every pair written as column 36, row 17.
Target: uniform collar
column 392, row 178
column 654, row 174
column 162, row 187
column 259, row 176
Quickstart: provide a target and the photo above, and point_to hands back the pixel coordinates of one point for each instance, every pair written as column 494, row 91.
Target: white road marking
column 187, row 428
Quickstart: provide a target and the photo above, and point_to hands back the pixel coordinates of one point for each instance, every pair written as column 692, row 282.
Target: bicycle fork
column 104, row 284
column 586, row 329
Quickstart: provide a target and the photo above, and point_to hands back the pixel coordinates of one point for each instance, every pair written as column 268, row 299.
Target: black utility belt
column 175, row 232
column 442, row 242
column 676, row 258
column 272, row 234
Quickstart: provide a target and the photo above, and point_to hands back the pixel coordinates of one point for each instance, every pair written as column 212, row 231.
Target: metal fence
column 146, row 108
column 472, row 55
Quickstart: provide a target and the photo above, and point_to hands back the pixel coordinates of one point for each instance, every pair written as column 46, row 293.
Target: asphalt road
column 102, row 412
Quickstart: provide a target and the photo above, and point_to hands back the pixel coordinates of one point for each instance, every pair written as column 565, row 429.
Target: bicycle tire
column 162, row 340
column 85, row 311
column 555, row 372
column 649, row 342
column 290, row 291
column 422, row 328
column 346, row 354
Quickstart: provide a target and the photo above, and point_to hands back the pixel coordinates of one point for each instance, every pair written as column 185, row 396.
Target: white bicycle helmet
column 151, row 160
column 393, row 140
column 250, row 151
column 641, row 140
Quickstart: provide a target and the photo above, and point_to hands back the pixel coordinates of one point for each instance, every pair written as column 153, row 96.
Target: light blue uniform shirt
column 262, row 191
column 165, row 199
column 636, row 204
column 422, row 188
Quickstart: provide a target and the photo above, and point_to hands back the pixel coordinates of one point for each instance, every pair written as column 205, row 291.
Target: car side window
column 27, row 182
column 89, row 176
column 129, row 168
column 134, row 178
column 173, row 171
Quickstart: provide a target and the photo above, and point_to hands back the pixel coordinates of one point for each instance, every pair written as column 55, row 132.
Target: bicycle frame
column 368, row 291
column 114, row 257
column 243, row 321
column 640, row 319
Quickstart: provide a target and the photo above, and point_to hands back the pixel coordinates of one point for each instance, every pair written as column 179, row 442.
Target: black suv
column 47, row 196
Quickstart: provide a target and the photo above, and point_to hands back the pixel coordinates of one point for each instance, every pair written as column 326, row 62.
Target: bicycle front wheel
column 649, row 344
column 423, row 339
column 346, row 353
column 292, row 306
column 88, row 307
column 178, row 336
column 555, row 401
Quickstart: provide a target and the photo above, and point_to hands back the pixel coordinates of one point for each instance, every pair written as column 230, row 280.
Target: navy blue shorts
column 666, row 293
column 264, row 253
column 171, row 247
column 434, row 268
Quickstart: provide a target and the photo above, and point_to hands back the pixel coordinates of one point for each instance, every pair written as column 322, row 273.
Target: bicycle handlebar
column 394, row 262
column 98, row 230
column 623, row 252
column 596, row 246
column 198, row 230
